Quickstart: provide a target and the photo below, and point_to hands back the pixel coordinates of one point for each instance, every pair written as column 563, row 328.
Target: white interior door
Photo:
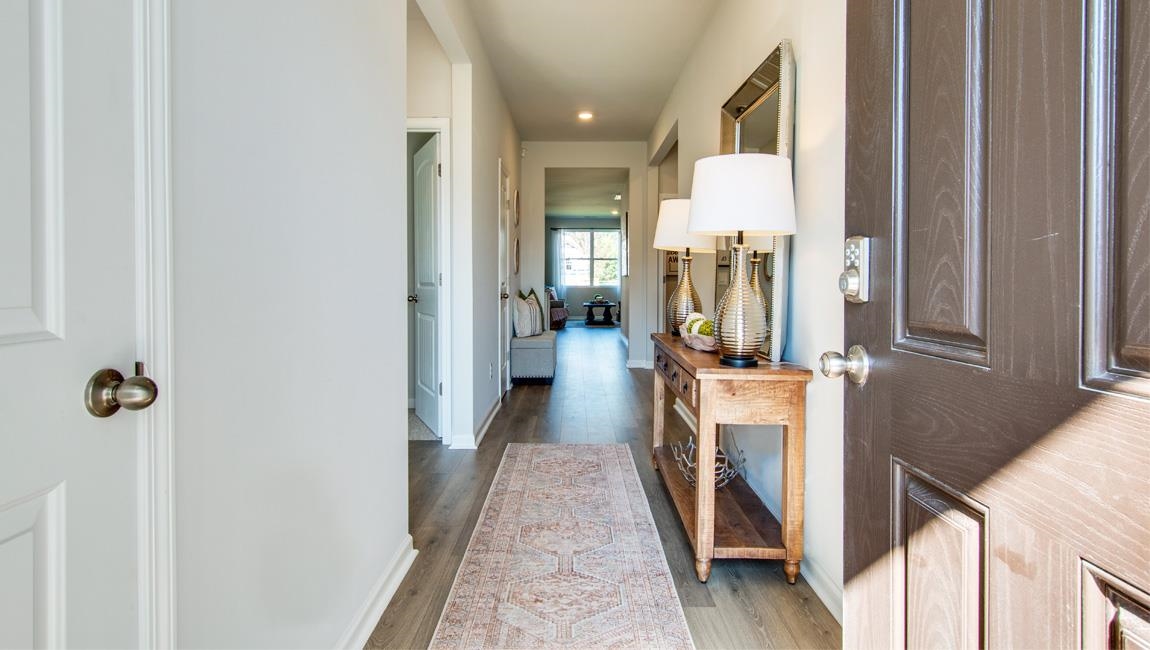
column 505, row 262
column 425, row 177
column 68, row 568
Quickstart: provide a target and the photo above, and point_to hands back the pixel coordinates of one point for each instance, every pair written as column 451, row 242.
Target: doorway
column 427, row 314
column 586, row 219
column 508, row 264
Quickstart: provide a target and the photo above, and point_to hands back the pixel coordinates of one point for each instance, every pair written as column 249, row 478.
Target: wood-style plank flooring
column 595, row 398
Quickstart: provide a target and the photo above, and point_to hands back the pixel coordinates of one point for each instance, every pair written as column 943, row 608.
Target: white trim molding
column 367, row 616
column 825, row 587
column 442, row 126
column 479, row 435
column 153, row 227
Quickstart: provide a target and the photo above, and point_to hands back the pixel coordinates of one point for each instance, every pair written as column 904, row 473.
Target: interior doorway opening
column 586, row 212
column 428, row 309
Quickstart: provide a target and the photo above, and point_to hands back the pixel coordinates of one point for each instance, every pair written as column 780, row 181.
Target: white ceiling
column 616, row 58
column 584, row 192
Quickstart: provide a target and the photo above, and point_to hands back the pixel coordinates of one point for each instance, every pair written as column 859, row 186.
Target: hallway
column 594, row 399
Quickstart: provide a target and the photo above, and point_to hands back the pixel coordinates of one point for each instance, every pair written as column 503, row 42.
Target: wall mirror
column 759, row 118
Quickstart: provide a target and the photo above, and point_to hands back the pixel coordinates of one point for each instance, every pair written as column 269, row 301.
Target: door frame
column 152, row 223
column 442, row 127
column 505, row 333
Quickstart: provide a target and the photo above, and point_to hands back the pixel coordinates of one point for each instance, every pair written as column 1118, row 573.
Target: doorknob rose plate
column 100, row 394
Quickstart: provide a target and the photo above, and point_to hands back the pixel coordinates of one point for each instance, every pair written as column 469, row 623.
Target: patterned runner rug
column 565, row 555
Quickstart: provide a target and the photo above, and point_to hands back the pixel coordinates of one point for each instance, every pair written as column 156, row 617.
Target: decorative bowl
column 699, row 342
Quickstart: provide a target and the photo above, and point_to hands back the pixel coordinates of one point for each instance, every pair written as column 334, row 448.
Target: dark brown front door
column 998, row 457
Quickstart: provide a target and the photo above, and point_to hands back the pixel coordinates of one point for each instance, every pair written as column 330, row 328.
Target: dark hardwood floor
column 595, row 398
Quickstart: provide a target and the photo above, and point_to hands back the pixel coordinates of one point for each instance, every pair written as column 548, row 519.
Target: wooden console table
column 732, row 522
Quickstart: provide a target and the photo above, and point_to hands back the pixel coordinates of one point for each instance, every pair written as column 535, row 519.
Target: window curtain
column 557, row 262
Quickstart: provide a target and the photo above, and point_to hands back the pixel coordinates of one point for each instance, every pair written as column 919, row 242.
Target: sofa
column 559, row 312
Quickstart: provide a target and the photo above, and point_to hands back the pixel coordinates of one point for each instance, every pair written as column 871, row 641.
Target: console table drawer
column 683, row 384
column 663, row 364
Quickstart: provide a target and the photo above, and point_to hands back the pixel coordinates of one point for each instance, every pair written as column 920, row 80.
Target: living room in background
column 584, row 208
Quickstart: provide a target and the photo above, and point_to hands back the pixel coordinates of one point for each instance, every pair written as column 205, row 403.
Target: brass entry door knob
column 108, row 391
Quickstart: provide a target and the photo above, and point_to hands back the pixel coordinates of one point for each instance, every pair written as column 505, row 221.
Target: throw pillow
column 538, row 303
column 536, row 314
column 527, row 318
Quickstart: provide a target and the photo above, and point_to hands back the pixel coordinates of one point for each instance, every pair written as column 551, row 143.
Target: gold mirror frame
column 773, row 81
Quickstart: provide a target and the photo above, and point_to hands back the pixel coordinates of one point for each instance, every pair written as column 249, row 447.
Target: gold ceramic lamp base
column 741, row 321
column 684, row 301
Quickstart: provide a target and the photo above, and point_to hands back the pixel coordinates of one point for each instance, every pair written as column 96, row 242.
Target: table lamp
column 737, row 195
column 671, row 235
column 756, row 245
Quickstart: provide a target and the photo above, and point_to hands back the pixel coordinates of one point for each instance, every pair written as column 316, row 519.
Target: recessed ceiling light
column 615, row 212
column 586, row 115
column 618, row 197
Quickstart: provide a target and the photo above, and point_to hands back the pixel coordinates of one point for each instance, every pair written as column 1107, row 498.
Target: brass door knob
column 108, row 391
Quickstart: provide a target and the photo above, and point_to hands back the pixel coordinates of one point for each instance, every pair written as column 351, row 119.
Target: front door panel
column 998, row 153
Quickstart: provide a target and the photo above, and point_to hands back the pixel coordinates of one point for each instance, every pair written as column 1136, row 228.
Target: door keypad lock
column 854, row 281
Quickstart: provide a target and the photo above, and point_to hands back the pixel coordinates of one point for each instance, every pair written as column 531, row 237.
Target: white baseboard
column 487, row 422
column 369, row 613
column 824, row 587
column 641, row 364
column 472, row 441
column 686, row 414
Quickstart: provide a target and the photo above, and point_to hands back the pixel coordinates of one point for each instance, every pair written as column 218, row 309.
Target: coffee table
column 606, row 319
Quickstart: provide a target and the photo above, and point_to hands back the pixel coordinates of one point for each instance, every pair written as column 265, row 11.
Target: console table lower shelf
column 744, row 528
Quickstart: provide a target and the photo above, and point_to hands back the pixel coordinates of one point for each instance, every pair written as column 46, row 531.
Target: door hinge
column 441, row 279
column 439, row 169
column 441, row 389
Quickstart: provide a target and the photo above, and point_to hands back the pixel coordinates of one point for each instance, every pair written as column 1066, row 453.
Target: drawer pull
column 686, row 386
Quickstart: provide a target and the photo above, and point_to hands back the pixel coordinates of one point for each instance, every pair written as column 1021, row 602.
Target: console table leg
column 703, row 569
column 791, row 568
column 657, row 417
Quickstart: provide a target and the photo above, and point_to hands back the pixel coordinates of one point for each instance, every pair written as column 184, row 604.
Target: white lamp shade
column 748, row 192
column 671, row 232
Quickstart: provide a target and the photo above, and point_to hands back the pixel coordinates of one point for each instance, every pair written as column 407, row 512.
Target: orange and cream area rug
column 565, row 555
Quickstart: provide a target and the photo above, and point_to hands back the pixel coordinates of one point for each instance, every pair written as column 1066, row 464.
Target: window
column 590, row 258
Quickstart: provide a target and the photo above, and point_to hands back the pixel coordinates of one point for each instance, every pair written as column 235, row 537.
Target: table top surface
column 592, row 303
column 706, row 364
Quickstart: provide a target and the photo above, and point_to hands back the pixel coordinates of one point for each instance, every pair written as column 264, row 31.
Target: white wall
column 482, row 133
column 428, row 71
column 639, row 288
column 290, row 432
column 742, row 33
